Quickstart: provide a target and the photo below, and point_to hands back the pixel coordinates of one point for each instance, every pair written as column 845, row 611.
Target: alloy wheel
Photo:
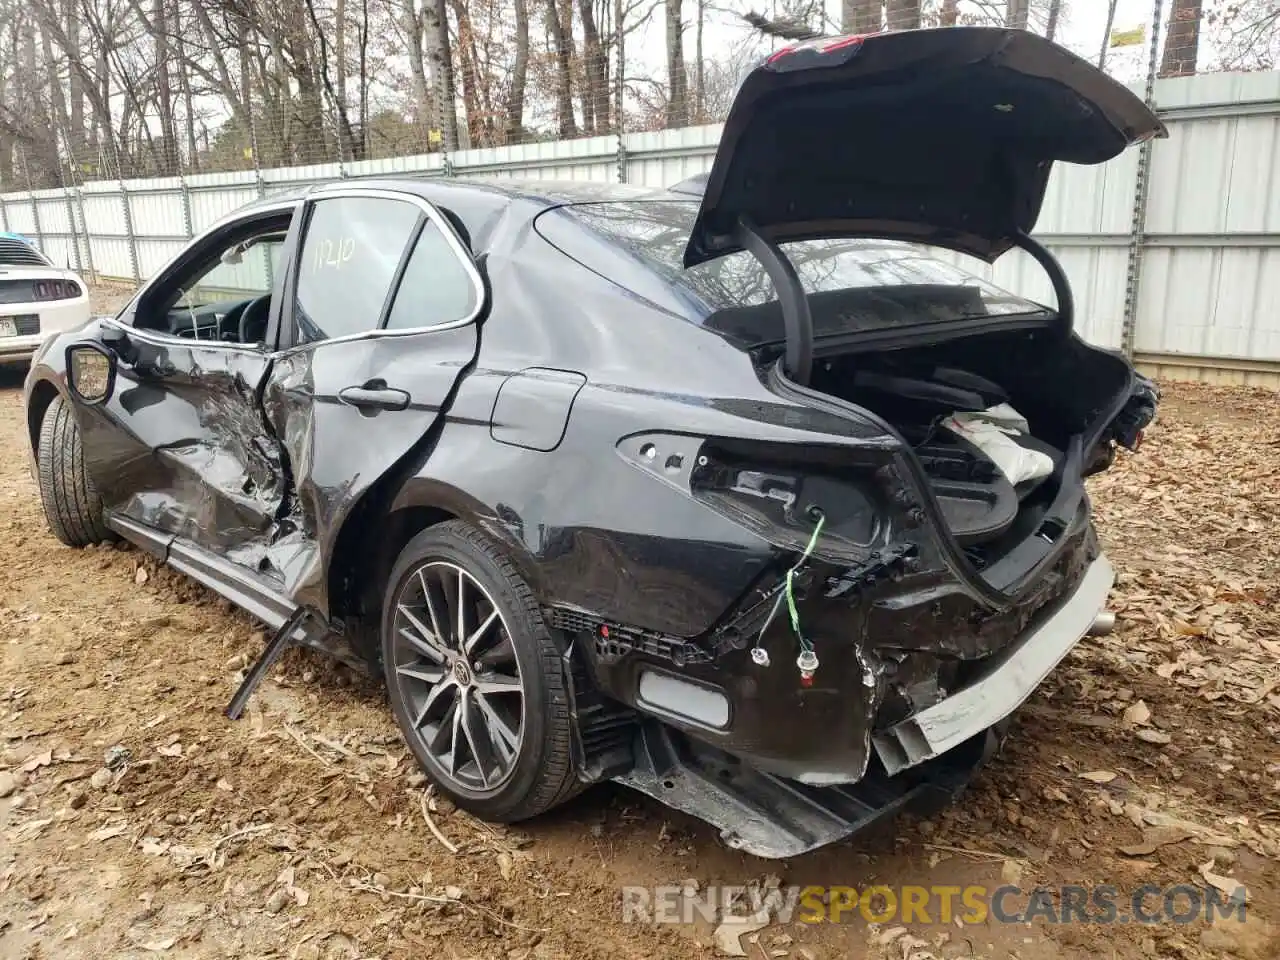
column 459, row 677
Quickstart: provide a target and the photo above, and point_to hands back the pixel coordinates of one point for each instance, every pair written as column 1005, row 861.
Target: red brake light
column 55, row 289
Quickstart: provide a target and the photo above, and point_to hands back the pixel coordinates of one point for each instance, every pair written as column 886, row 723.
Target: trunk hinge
column 796, row 318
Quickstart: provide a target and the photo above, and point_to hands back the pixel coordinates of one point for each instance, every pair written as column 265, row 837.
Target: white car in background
column 36, row 299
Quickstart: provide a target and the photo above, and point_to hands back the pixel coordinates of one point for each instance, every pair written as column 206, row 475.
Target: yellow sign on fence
column 1129, row 38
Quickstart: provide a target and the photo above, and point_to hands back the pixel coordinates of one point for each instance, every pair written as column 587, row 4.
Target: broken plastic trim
column 284, row 638
column 794, row 302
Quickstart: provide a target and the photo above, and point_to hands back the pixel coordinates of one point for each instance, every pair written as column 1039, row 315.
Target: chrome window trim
column 349, row 191
column 321, row 193
column 168, row 339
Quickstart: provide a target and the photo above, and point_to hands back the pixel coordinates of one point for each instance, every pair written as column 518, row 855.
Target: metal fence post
column 128, row 228
column 1138, row 221
column 71, row 225
column 187, row 223
column 35, row 221
column 88, row 237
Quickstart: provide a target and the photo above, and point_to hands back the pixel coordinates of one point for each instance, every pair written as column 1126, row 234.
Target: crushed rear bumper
column 1007, row 679
column 926, row 758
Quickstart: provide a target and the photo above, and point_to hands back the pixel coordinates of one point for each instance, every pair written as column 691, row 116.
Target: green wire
column 791, row 596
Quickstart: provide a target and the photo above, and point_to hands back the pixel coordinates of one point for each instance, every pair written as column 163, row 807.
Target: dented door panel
column 337, row 452
column 181, row 446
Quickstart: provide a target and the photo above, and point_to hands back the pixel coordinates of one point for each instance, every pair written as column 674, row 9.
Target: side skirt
column 236, row 584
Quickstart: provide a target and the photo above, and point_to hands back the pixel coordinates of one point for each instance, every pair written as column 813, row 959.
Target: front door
column 181, row 448
column 379, row 323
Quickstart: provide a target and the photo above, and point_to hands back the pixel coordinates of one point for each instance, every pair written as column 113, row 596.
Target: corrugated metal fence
column 1188, row 280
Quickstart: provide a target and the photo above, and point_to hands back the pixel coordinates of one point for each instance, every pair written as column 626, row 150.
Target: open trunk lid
column 942, row 136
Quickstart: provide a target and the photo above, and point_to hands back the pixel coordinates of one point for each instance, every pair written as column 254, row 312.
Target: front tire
column 474, row 677
column 70, row 500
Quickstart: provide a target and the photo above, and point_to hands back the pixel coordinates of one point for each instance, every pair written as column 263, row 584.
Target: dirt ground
column 136, row 821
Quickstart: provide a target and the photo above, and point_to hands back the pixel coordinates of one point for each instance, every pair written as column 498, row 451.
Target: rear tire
column 508, row 756
column 70, row 500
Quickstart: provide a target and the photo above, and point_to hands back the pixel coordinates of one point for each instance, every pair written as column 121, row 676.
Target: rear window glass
column 854, row 285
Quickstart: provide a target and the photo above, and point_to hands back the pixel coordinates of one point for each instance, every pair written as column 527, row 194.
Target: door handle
column 374, row 398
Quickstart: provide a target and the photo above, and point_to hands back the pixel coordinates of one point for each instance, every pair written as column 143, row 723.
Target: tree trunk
column 902, row 14
column 568, row 127
column 338, row 56
column 435, row 20
column 700, row 68
column 595, row 67
column 164, row 91
column 1016, row 14
column 363, row 142
column 75, row 83
column 950, row 13
column 519, row 75
column 1106, row 34
column 620, row 72
column 1181, row 40
column 412, row 26
column 677, row 78
column 1051, row 27
column 477, row 122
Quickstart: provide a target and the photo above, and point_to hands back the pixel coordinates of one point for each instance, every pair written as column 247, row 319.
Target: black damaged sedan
column 729, row 492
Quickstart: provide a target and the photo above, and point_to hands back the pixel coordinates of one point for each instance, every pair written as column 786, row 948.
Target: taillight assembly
column 780, row 491
column 56, row 289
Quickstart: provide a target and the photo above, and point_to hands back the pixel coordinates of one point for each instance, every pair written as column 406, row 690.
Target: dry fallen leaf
column 37, row 760
column 1158, row 737
column 1232, row 887
column 1137, row 714
column 1156, row 837
column 159, row 946
column 1098, row 776
column 106, row 833
column 171, row 750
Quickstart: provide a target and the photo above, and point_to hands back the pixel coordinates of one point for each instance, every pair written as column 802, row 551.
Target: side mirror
column 117, row 341
column 91, row 373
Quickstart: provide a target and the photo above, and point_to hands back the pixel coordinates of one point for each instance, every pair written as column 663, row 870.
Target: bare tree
column 1106, row 34
column 1051, row 23
column 1246, row 33
column 677, row 78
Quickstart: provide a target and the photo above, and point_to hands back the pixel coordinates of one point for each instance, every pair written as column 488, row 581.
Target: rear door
column 379, row 325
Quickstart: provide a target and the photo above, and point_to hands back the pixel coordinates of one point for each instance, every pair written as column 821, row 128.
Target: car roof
column 444, row 191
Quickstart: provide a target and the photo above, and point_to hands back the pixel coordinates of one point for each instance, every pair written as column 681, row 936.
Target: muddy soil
column 136, row 821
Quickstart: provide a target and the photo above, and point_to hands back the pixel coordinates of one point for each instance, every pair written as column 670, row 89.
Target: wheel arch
column 43, row 393
column 374, row 534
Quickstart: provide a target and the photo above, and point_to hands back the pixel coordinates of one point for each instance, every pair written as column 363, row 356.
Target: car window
column 436, row 287
column 853, row 284
column 349, row 257
column 250, row 274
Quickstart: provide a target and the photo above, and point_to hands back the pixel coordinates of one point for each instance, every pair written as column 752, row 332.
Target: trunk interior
column 1004, row 426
